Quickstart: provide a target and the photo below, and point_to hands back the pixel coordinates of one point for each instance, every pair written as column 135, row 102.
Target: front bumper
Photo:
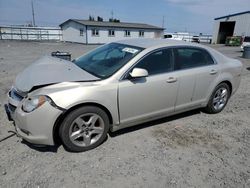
column 8, row 112
column 37, row 126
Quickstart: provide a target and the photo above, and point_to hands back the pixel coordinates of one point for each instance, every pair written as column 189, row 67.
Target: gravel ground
column 192, row 149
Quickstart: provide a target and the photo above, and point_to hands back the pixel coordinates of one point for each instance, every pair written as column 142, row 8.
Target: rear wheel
column 84, row 128
column 218, row 99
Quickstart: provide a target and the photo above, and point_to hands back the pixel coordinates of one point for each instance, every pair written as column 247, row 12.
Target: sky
column 195, row 16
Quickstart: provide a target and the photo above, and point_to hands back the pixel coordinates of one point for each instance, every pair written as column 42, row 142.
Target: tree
column 99, row 19
column 91, row 18
column 114, row 20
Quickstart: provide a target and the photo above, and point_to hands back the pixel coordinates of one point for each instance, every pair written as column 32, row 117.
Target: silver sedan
column 115, row 86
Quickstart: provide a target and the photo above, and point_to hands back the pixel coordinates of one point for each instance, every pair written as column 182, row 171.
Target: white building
column 231, row 25
column 99, row 32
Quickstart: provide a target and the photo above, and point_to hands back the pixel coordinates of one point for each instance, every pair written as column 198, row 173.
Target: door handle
column 171, row 79
column 213, row 71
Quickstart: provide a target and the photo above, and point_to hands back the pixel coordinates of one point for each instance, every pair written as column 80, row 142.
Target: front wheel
column 218, row 99
column 84, row 128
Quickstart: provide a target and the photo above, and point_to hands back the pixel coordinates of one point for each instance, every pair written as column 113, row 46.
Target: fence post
column 11, row 34
column 21, row 34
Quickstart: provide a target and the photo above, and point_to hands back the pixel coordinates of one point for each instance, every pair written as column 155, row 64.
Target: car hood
column 50, row 70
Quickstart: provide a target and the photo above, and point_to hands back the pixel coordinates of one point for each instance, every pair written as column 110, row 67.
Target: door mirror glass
column 139, row 73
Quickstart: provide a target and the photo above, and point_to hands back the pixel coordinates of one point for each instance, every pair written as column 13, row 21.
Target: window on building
column 95, row 32
column 141, row 33
column 111, row 33
column 81, row 32
column 127, row 33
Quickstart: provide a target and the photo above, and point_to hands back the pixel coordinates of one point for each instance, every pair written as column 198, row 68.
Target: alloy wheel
column 220, row 98
column 86, row 129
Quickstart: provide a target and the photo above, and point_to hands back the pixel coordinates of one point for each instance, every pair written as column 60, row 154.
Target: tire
column 84, row 128
column 217, row 102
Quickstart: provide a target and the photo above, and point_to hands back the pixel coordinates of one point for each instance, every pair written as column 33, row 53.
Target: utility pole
column 33, row 13
column 163, row 21
column 112, row 14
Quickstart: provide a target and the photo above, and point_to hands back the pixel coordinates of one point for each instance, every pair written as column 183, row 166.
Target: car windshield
column 106, row 60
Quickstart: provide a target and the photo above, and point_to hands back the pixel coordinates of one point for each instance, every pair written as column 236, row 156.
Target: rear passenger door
column 195, row 70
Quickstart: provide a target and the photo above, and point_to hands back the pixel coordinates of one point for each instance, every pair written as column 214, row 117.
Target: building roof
column 113, row 24
column 230, row 15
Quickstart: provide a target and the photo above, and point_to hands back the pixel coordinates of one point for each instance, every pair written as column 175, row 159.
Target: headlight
column 33, row 103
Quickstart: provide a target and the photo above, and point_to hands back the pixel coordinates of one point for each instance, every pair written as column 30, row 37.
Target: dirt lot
column 193, row 149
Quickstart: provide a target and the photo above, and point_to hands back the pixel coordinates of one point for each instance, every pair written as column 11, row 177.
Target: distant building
column 231, row 25
column 99, row 32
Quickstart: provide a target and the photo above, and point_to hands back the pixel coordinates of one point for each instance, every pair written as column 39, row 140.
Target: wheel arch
column 218, row 82
column 229, row 85
column 59, row 120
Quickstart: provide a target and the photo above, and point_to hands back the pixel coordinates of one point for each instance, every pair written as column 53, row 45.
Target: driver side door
column 142, row 99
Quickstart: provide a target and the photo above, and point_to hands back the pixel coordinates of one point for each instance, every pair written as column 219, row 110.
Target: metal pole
column 33, row 13
column 21, row 34
column 11, row 33
column 112, row 14
column 163, row 21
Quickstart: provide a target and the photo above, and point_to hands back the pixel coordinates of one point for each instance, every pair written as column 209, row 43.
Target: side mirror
column 139, row 73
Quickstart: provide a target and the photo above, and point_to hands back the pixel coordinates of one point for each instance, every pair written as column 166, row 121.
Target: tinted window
column 157, row 62
column 168, row 36
column 191, row 57
column 247, row 39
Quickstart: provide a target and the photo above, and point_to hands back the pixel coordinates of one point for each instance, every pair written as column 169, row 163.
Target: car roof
column 160, row 43
column 148, row 43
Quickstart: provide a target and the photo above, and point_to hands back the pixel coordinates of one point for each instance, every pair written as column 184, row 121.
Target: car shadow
column 41, row 148
column 154, row 122
column 54, row 149
column 51, row 149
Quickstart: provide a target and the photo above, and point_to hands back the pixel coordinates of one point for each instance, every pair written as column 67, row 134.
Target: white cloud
column 186, row 2
column 212, row 8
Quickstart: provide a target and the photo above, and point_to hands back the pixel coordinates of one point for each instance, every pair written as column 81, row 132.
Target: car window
column 115, row 53
column 191, row 57
column 107, row 59
column 157, row 62
column 247, row 39
column 99, row 56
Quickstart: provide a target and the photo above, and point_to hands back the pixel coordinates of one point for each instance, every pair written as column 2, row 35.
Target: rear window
column 247, row 39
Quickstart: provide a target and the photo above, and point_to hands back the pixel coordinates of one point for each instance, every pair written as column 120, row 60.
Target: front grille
column 14, row 94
